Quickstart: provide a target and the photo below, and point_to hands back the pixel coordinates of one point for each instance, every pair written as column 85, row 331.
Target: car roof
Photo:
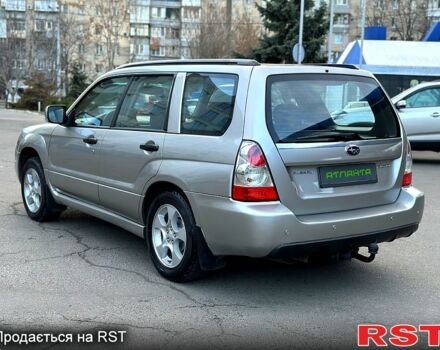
column 415, row 88
column 233, row 66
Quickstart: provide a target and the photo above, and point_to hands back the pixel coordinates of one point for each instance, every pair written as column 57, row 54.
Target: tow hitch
column 373, row 249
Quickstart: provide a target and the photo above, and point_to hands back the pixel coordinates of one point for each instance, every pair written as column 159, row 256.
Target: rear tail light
column 252, row 178
column 407, row 177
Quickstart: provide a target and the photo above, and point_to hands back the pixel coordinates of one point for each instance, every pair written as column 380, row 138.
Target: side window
column 424, row 98
column 208, row 103
column 98, row 107
column 146, row 103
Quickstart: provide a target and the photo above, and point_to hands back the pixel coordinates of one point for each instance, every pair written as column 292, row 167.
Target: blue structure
column 395, row 57
column 397, row 64
column 375, row 33
column 433, row 33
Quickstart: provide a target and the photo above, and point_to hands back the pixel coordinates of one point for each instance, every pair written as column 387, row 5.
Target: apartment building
column 29, row 31
column 191, row 17
column 139, row 30
column 343, row 26
column 434, row 10
column 50, row 35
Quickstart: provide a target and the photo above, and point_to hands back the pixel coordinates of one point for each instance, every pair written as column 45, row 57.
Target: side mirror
column 56, row 114
column 401, row 104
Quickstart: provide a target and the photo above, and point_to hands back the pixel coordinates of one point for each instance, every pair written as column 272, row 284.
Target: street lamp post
column 364, row 6
column 229, row 26
column 301, row 28
column 330, row 32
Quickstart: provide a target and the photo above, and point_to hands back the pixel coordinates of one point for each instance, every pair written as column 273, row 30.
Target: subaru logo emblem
column 352, row 150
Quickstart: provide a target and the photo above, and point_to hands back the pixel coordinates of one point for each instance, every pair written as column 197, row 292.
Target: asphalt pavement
column 81, row 274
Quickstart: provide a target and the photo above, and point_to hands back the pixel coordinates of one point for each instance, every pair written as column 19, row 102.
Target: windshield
column 330, row 107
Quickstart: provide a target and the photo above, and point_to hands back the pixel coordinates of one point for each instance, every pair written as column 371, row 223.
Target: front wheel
column 37, row 199
column 170, row 228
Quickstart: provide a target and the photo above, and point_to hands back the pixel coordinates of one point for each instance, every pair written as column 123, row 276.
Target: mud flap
column 208, row 261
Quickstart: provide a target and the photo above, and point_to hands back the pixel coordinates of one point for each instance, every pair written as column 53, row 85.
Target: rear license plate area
column 347, row 175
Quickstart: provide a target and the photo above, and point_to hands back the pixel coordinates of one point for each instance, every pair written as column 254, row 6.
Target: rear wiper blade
column 330, row 136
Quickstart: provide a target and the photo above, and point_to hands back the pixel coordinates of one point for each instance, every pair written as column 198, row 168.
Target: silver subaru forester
column 206, row 159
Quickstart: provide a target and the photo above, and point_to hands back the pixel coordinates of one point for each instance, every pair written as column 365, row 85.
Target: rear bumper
column 341, row 244
column 261, row 229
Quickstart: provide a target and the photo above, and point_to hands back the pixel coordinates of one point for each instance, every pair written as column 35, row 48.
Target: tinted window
column 208, row 103
column 146, row 103
column 98, row 107
column 424, row 98
column 310, row 107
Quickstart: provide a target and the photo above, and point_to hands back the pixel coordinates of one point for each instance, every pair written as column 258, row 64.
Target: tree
column 8, row 53
column 12, row 67
column 72, row 38
column 246, row 35
column 78, row 82
column 42, row 46
column 211, row 38
column 40, row 89
column 220, row 38
column 107, row 25
column 404, row 19
column 281, row 19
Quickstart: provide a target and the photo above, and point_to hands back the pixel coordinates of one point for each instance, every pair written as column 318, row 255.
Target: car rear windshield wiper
column 321, row 136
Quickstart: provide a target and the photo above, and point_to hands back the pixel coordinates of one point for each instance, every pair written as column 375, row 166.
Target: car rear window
column 330, row 107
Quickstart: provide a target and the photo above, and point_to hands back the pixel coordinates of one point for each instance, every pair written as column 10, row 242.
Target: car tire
column 171, row 239
column 37, row 198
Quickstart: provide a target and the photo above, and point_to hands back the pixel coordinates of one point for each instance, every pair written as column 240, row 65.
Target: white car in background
column 419, row 110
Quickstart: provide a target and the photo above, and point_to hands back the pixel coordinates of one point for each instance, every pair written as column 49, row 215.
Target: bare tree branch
column 405, row 19
column 214, row 38
column 108, row 18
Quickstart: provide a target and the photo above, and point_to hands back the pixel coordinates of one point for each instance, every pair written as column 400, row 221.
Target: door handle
column 435, row 115
column 150, row 146
column 91, row 140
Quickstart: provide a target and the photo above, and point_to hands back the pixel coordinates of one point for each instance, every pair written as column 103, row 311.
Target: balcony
column 15, row 5
column 191, row 3
column 135, row 18
column 139, row 32
column 17, row 34
column 342, row 9
column 193, row 22
column 187, row 41
column 142, row 3
column 46, row 6
column 340, row 28
column 165, row 22
column 166, row 3
column 165, row 41
column 139, row 14
column 434, row 12
column 139, row 57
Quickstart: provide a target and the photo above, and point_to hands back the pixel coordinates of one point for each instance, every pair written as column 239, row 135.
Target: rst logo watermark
column 400, row 335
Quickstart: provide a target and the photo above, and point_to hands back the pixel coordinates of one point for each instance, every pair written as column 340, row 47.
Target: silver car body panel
column 266, row 226
column 73, row 166
column 110, row 179
column 422, row 124
column 124, row 168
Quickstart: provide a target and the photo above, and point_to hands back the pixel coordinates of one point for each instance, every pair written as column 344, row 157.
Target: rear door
column 336, row 142
column 131, row 151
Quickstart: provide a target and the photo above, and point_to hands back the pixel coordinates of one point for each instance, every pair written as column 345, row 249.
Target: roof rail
column 238, row 62
column 337, row 65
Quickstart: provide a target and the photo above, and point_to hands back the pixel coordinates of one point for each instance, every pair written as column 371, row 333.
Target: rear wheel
column 170, row 236
column 37, row 199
